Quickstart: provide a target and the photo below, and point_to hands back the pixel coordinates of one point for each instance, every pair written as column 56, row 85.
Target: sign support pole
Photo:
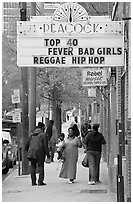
column 25, row 124
column 32, row 85
column 16, row 100
column 18, row 141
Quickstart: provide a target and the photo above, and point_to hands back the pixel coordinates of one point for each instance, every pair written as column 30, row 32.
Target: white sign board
column 92, row 92
column 64, row 44
column 17, row 116
column 15, row 96
column 94, row 77
column 80, row 29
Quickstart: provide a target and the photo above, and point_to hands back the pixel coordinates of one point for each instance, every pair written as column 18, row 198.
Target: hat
column 96, row 126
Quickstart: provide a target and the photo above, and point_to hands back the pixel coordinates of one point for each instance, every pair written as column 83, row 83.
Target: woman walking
column 69, row 165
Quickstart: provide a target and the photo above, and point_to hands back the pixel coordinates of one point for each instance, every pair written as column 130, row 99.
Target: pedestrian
column 69, row 165
column 59, row 149
column 37, row 150
column 86, row 128
column 46, row 123
column 51, row 133
column 76, row 130
column 94, row 141
column 75, row 122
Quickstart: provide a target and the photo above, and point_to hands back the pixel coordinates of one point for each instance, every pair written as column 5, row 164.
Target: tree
column 10, row 73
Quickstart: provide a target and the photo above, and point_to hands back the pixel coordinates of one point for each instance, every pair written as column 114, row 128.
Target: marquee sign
column 70, row 38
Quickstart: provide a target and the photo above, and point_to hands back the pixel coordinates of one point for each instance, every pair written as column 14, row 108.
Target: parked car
column 9, row 151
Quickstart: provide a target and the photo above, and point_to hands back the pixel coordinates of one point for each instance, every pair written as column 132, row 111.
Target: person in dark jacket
column 85, row 127
column 94, row 141
column 37, row 150
column 85, row 130
column 52, row 136
column 76, row 130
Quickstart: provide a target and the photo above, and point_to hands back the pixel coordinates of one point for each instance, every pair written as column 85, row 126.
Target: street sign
column 15, row 96
column 94, row 77
column 17, row 116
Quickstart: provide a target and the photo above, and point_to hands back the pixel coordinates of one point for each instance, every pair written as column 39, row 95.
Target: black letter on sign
column 35, row 60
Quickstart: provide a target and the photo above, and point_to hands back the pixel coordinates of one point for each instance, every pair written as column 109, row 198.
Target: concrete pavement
column 18, row 188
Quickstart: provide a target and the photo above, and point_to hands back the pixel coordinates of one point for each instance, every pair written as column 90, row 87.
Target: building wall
column 10, row 15
column 113, row 138
column 112, row 115
column 123, row 12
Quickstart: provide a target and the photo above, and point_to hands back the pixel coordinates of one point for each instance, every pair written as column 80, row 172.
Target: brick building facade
column 116, row 109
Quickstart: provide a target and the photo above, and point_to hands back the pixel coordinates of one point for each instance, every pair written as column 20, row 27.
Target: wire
column 38, row 9
column 94, row 8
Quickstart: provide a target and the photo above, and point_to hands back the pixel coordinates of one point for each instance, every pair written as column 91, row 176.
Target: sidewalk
column 18, row 188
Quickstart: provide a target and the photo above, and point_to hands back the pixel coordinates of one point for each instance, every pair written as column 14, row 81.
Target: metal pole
column 18, row 141
column 18, row 133
column 24, row 76
column 32, row 85
column 120, row 178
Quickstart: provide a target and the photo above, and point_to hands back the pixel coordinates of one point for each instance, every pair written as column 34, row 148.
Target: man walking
column 94, row 141
column 52, row 136
column 37, row 150
column 76, row 122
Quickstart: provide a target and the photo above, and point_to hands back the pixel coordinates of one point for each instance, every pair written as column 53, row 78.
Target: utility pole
column 25, row 125
column 32, row 85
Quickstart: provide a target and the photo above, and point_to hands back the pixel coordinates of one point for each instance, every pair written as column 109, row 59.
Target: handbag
column 85, row 162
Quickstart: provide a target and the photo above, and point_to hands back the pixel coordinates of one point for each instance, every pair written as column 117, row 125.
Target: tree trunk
column 56, row 111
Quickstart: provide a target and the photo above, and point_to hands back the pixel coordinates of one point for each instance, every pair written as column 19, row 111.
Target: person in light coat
column 69, row 165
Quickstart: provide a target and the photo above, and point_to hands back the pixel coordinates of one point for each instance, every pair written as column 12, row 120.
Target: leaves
column 10, row 73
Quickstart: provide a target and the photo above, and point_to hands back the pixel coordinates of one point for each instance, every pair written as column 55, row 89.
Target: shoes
column 71, row 181
column 91, row 183
column 41, row 184
column 98, row 181
column 34, row 184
